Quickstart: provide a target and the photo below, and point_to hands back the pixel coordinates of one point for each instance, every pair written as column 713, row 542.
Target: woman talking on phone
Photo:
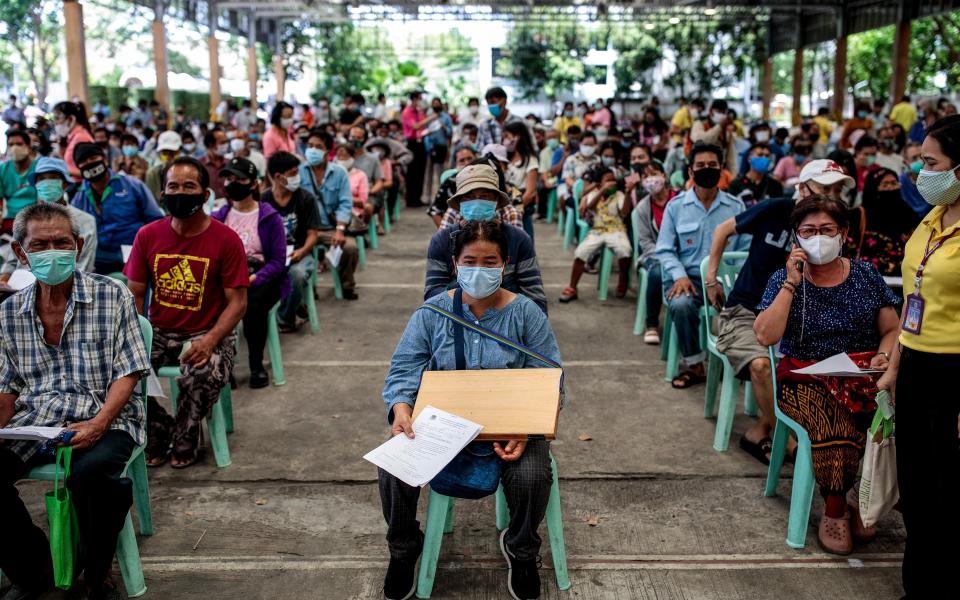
column 820, row 305
column 922, row 374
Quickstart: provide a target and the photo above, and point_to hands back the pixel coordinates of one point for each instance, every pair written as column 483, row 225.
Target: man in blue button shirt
column 330, row 184
column 121, row 205
column 683, row 242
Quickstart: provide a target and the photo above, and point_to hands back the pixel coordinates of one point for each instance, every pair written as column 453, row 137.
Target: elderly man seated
column 196, row 268
column 72, row 354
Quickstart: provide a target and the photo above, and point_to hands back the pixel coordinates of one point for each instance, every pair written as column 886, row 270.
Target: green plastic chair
column 219, row 421
column 362, row 251
column 337, row 285
column 128, row 554
column 551, row 205
column 372, row 232
column 273, row 346
column 396, row 210
column 801, row 495
column 119, row 276
column 640, row 322
column 603, row 280
column 670, row 351
column 387, row 226
column 572, row 219
column 561, row 222
column 719, row 366
column 440, row 521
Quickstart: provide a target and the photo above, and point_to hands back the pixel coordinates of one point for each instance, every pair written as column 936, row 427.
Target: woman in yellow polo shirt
column 923, row 373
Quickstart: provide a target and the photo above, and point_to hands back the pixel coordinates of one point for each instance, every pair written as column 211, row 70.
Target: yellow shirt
column 940, row 289
column 562, row 124
column 905, row 114
column 682, row 121
column 825, row 127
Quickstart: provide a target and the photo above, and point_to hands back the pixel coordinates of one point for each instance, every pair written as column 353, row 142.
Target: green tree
column 637, row 53
column 452, row 49
column 33, row 34
column 544, row 58
column 177, row 62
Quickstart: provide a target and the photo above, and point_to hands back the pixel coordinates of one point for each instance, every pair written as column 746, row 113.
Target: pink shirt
column 274, row 141
column 786, row 170
column 359, row 189
column 409, row 118
column 76, row 136
column 387, row 169
column 245, row 226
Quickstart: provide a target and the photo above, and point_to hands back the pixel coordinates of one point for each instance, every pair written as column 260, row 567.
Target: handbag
column 878, row 485
column 475, row 472
column 64, row 528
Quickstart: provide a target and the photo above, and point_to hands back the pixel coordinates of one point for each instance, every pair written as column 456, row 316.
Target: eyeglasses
column 810, row 231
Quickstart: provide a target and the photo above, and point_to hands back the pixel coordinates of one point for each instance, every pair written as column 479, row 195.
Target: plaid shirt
column 491, row 130
column 507, row 215
column 59, row 385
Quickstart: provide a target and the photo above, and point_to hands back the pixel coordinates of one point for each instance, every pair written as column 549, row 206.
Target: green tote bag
column 64, row 529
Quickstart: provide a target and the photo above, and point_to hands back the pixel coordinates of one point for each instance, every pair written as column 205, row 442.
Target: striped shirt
column 59, row 385
column 521, row 274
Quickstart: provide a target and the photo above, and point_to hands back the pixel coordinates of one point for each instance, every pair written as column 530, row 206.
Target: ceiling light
column 649, row 26
column 710, row 11
column 674, row 20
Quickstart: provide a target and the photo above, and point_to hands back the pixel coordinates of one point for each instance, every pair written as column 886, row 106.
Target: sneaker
column 650, row 336
column 401, row 580
column 259, row 379
column 523, row 577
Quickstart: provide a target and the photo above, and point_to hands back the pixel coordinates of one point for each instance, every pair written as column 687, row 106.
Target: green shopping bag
column 64, row 529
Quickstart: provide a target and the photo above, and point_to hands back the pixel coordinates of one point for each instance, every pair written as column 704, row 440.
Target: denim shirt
column 427, row 345
column 687, row 232
column 333, row 193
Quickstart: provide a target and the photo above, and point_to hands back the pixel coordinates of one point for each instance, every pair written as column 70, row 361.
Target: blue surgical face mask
column 315, row 156
column 52, row 267
column 49, row 190
column 130, row 151
column 760, row 163
column 478, row 210
column 479, row 282
column 495, row 110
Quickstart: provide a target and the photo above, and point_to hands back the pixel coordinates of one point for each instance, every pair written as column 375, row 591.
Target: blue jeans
column 685, row 311
column 529, row 212
column 654, row 291
column 299, row 275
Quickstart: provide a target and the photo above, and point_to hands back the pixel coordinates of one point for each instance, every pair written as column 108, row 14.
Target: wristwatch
column 885, row 354
column 341, row 227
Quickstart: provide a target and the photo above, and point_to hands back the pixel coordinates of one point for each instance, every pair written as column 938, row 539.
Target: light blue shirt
column 427, row 344
column 687, row 232
column 333, row 193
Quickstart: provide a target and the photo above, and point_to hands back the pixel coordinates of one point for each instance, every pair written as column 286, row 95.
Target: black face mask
column 237, row 191
column 707, row 177
column 574, row 145
column 639, row 166
column 104, row 144
column 183, row 206
column 94, row 171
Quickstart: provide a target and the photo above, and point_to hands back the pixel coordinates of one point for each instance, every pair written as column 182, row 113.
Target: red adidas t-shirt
column 187, row 275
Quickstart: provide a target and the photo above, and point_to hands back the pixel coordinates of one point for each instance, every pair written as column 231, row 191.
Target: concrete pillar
column 797, row 85
column 252, row 55
column 214, row 48
column 161, row 92
column 767, row 87
column 75, row 43
column 279, row 68
column 839, row 80
column 901, row 59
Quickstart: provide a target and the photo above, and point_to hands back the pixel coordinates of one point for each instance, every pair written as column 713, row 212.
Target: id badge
column 913, row 314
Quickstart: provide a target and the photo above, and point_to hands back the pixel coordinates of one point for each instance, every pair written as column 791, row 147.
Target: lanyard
column 918, row 279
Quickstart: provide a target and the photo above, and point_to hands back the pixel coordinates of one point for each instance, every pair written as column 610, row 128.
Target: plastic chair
column 719, row 365
column 572, row 219
column 362, row 251
column 551, row 204
column 273, row 346
column 561, row 222
column 219, row 421
column 119, row 276
column 641, row 320
column 396, row 211
column 801, row 495
column 334, row 276
column 128, row 554
column 372, row 232
column 670, row 351
column 440, row 521
column 603, row 280
column 386, row 222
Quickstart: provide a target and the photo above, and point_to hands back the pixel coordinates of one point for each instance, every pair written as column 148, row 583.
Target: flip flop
column 569, row 295
column 687, row 379
column 758, row 450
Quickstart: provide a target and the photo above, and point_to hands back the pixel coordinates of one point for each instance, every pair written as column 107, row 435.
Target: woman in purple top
column 260, row 228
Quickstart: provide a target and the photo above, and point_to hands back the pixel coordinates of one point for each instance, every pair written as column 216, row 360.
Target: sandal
column 569, row 295
column 184, row 459
column 157, row 461
column 759, row 450
column 834, row 535
column 687, row 379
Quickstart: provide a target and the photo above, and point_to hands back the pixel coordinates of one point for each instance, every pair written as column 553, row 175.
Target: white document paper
column 289, row 253
column 153, row 386
column 125, row 250
column 333, row 256
column 839, row 365
column 36, row 434
column 440, row 436
column 20, row 279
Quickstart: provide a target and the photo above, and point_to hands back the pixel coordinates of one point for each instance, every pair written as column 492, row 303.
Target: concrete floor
column 297, row 515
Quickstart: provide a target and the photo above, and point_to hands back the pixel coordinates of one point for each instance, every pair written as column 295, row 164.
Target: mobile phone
column 796, row 243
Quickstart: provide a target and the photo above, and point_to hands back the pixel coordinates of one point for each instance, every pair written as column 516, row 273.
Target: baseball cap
column 169, row 140
column 240, row 168
column 46, row 164
column 498, row 151
column 825, row 172
column 477, row 177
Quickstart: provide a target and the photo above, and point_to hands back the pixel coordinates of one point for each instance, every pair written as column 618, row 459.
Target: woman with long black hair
column 523, row 169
